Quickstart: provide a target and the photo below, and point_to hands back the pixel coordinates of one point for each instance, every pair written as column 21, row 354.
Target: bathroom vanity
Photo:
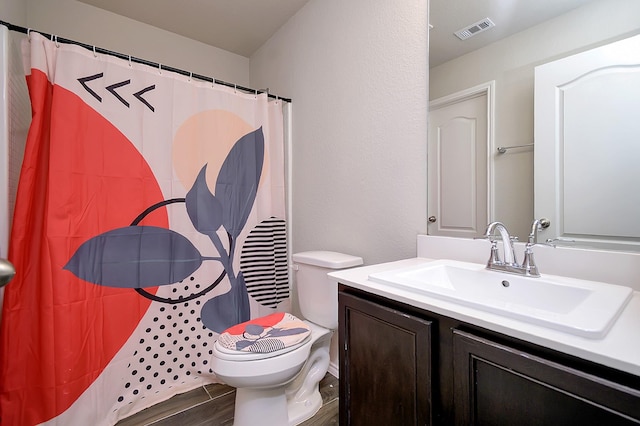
column 410, row 359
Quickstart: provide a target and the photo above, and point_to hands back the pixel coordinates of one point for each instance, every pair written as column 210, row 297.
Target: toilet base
column 299, row 411
column 266, row 407
column 271, row 408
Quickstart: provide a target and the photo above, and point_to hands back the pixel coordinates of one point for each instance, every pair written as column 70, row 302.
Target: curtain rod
column 142, row 61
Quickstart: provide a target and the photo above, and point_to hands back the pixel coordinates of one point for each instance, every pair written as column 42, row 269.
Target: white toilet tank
column 317, row 294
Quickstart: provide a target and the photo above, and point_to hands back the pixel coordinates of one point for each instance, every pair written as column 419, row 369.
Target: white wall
column 13, row 11
column 511, row 64
column 88, row 24
column 357, row 73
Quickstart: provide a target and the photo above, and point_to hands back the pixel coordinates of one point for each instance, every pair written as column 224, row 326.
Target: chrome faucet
column 510, row 264
column 507, row 244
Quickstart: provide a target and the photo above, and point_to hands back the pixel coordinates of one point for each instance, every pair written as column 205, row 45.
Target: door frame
column 487, row 89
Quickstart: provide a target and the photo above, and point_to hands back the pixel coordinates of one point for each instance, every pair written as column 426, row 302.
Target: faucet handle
column 529, row 266
column 528, row 263
column 494, row 257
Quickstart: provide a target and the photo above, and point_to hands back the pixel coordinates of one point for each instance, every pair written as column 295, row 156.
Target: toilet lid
column 271, row 333
column 235, row 355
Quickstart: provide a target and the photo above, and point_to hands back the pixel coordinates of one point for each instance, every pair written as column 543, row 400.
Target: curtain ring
column 160, row 69
column 190, row 75
column 130, row 60
column 57, row 44
column 95, row 55
column 235, row 88
column 29, row 34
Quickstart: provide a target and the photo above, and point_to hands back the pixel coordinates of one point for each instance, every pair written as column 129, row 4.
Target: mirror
column 587, row 146
column 510, row 62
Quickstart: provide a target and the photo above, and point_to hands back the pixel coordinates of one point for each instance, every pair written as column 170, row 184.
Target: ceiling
column 238, row 26
column 509, row 16
column 242, row 26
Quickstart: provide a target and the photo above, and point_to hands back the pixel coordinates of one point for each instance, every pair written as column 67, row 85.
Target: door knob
column 432, row 219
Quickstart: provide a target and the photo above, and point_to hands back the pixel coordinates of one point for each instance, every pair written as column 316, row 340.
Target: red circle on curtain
column 81, row 177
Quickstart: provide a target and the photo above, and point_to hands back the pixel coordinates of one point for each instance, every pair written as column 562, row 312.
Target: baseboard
column 333, row 370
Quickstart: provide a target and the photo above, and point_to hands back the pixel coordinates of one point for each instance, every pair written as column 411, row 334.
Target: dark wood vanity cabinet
column 495, row 384
column 400, row 365
column 385, row 365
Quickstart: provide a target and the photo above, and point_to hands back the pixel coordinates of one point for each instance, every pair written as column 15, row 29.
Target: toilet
column 280, row 387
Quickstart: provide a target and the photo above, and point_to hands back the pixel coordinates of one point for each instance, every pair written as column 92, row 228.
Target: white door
column 587, row 145
column 457, row 166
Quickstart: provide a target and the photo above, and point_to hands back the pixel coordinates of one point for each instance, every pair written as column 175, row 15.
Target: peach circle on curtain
column 150, row 216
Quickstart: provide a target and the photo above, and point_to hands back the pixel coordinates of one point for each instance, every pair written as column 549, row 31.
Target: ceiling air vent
column 474, row 29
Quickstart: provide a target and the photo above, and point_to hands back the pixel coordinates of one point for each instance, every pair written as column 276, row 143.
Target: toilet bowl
column 280, row 388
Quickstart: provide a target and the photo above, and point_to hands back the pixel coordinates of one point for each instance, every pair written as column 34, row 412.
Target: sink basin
column 579, row 307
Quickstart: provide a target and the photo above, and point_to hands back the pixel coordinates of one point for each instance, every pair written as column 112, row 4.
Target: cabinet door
column 385, row 365
column 499, row 385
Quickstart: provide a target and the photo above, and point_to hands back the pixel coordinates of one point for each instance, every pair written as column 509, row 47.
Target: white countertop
column 619, row 349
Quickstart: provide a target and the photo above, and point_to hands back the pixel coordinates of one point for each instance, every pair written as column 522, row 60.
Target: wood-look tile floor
column 212, row 405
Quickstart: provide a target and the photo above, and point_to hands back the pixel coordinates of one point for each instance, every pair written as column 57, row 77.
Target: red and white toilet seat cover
column 265, row 334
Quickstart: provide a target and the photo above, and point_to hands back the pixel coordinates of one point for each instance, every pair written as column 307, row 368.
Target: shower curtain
column 150, row 216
